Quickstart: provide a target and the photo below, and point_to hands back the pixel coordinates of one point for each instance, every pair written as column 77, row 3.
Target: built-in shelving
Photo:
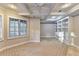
column 62, row 28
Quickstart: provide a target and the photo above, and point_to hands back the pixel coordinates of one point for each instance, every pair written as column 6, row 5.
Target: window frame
column 2, row 16
column 19, row 36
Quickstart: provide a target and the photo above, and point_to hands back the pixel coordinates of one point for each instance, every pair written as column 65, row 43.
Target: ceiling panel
column 40, row 10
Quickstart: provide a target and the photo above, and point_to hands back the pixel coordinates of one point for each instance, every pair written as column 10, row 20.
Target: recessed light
column 53, row 17
column 50, row 19
column 59, row 17
column 12, row 6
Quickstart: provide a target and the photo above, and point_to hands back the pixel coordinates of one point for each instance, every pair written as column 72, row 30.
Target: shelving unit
column 62, row 29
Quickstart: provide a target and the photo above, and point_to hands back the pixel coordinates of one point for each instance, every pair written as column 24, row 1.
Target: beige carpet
column 50, row 47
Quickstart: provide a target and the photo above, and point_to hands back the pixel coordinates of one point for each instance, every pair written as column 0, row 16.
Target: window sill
column 16, row 37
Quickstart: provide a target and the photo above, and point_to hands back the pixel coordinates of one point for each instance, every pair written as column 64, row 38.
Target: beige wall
column 35, row 30
column 73, row 27
column 76, row 30
column 6, row 13
column 70, row 29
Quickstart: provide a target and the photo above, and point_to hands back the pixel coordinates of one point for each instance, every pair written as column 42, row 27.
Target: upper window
column 0, row 27
column 17, row 27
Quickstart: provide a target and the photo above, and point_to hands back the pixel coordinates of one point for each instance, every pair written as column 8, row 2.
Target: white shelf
column 62, row 26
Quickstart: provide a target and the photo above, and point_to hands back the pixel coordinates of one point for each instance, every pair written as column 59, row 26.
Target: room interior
column 42, row 24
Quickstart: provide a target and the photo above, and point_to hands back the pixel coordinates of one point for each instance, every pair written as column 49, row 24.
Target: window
column 0, row 27
column 17, row 27
column 22, row 27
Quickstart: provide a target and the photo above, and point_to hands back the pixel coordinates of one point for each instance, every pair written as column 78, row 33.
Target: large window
column 17, row 27
column 13, row 27
column 0, row 27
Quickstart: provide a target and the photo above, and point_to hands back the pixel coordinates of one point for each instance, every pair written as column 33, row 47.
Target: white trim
column 16, row 37
column 48, row 36
column 75, row 46
column 72, row 45
column 34, row 40
column 7, row 47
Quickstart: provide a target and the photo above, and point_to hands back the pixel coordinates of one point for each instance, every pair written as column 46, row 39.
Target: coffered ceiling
column 43, row 10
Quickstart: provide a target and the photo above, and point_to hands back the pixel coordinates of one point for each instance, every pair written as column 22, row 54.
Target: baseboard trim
column 75, row 46
column 7, row 47
column 47, row 36
column 34, row 40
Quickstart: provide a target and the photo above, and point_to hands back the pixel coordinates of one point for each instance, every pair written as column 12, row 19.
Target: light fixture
column 12, row 6
column 50, row 19
column 72, row 34
column 53, row 17
column 59, row 17
column 66, row 5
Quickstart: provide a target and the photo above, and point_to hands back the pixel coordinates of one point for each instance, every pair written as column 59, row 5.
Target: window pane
column 16, row 33
column 22, row 33
column 11, row 27
column 0, row 26
column 11, row 34
column 11, row 23
column 22, row 27
column 16, row 27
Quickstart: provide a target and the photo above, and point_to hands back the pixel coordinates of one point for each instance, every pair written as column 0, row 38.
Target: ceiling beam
column 50, row 10
column 22, row 8
column 74, row 10
column 24, row 14
column 58, row 14
column 28, row 8
column 52, row 14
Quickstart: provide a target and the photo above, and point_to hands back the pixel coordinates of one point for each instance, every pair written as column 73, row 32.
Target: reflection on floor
column 49, row 47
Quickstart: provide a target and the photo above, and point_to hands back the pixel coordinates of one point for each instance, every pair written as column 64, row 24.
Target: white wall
column 47, row 30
